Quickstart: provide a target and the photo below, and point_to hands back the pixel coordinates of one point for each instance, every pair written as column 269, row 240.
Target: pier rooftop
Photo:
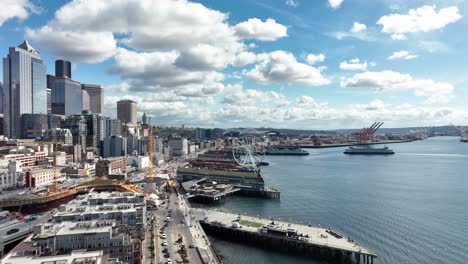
column 310, row 234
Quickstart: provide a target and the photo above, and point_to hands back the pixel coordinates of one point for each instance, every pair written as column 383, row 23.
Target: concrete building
column 63, row 69
column 1, row 99
column 114, row 146
column 111, row 166
column 96, row 97
column 126, row 111
column 40, row 177
column 179, row 146
column 139, row 162
column 107, row 236
column 85, row 98
column 26, row 252
column 24, row 81
column 11, row 175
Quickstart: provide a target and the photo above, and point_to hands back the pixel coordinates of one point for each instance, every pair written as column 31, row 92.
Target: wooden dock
column 311, row 241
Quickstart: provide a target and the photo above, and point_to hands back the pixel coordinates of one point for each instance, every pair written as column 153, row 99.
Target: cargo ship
column 286, row 152
column 369, row 150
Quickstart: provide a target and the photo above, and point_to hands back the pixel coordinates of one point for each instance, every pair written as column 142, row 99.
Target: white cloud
column 245, row 58
column 87, row 46
column 315, row 58
column 255, row 28
column 237, row 95
column 354, row 65
column 435, row 92
column 282, row 67
column 357, row 27
column 16, row 9
column 402, row 55
column 422, row 19
column 307, row 101
column 432, row 46
column 293, row 3
column 335, row 3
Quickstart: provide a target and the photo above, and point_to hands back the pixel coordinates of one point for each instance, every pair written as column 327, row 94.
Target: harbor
column 307, row 240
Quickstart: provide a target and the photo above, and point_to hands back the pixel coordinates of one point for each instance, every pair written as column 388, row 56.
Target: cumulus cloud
column 87, row 46
column 335, row 3
column 357, row 27
column 357, row 31
column 245, row 58
column 435, row 92
column 422, row 19
column 255, row 28
column 237, row 95
column 19, row 9
column 402, row 55
column 282, row 67
column 354, row 65
column 315, row 58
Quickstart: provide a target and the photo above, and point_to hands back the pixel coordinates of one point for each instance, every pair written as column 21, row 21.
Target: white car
column 164, row 243
column 163, row 236
column 169, row 261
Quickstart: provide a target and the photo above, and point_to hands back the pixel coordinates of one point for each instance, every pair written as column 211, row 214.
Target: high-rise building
column 85, row 100
column 24, row 80
column 126, row 111
column 96, row 97
column 77, row 126
column 1, row 97
column 91, row 129
column 63, row 69
column 114, row 127
column 66, row 97
column 34, row 125
column 144, row 119
column 114, row 146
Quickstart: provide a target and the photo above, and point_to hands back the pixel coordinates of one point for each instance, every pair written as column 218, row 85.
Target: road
column 174, row 229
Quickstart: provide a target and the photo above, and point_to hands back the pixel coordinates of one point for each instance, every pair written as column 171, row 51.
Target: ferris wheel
column 248, row 151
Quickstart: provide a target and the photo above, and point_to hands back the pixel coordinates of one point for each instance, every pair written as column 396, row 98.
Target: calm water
column 411, row 207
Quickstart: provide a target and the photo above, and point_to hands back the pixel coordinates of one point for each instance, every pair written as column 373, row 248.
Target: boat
column 286, row 152
column 369, row 150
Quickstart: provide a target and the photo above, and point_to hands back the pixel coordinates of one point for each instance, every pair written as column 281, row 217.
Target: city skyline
column 286, row 64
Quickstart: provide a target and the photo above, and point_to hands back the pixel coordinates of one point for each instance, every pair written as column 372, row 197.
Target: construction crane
column 463, row 133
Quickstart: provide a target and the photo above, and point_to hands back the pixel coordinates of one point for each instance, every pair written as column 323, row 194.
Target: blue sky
column 318, row 64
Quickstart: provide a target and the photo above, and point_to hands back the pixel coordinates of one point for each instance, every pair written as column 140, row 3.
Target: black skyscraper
column 63, row 68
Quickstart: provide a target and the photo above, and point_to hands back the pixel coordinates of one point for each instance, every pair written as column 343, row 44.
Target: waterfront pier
column 305, row 240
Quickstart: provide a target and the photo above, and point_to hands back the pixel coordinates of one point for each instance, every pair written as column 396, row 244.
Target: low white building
column 140, row 162
column 42, row 177
column 11, row 175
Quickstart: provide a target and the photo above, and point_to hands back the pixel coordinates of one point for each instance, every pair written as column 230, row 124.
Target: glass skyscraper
column 24, row 81
column 67, row 98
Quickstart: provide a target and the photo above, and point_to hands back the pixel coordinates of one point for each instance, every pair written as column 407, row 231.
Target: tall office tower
column 114, row 127
column 114, row 146
column 96, row 97
column 85, row 100
column 1, row 97
column 66, row 97
column 24, row 81
column 63, row 68
column 91, row 129
column 126, row 111
column 77, row 126
column 144, row 119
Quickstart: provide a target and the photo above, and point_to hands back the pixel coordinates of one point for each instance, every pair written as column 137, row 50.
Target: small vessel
column 286, row 152
column 369, row 150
